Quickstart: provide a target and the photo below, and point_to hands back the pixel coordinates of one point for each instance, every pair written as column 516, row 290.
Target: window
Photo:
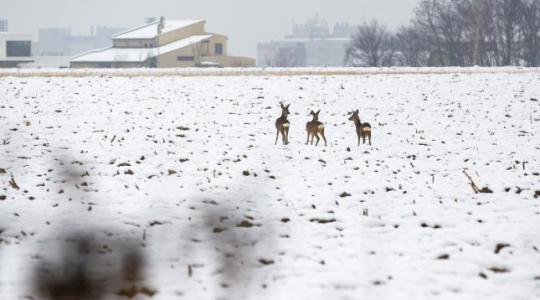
column 185, row 58
column 218, row 49
column 18, row 48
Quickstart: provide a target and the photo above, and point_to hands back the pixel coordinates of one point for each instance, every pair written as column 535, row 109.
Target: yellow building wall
column 169, row 60
column 207, row 51
column 182, row 33
column 218, row 38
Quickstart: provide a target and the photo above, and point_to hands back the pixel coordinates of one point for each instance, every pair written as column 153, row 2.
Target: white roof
column 15, row 36
column 150, row 30
column 112, row 54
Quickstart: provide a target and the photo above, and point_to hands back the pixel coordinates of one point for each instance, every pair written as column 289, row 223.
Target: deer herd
column 315, row 128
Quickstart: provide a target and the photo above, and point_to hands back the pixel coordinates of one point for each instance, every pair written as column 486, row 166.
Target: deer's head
column 284, row 109
column 315, row 115
column 354, row 116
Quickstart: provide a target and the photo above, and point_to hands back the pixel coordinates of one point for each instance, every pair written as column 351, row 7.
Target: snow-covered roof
column 112, row 54
column 150, row 30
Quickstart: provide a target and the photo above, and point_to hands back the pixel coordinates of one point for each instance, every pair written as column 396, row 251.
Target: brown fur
column 363, row 130
column 282, row 124
column 315, row 128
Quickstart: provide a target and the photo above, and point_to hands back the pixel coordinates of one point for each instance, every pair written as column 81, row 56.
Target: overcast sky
column 245, row 22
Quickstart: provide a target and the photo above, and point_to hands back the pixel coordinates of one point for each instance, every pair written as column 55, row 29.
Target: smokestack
column 161, row 24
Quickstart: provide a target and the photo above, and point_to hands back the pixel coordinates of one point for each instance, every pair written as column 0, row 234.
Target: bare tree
column 455, row 33
column 507, row 18
column 372, row 46
column 411, row 46
column 530, row 33
column 426, row 21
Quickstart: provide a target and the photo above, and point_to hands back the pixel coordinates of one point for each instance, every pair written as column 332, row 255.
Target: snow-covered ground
column 184, row 171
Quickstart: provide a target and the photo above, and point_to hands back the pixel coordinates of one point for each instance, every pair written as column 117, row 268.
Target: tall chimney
column 161, row 25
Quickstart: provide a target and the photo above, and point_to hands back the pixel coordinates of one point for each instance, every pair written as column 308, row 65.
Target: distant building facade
column 312, row 44
column 61, row 42
column 53, row 41
column 4, row 25
column 15, row 49
column 163, row 44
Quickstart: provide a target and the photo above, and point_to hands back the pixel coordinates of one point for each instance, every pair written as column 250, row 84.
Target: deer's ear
column 281, row 103
column 318, row 111
column 287, row 106
column 357, row 111
column 311, row 112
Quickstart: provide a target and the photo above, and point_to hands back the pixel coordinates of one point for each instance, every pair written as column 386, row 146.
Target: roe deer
column 314, row 128
column 363, row 130
column 282, row 124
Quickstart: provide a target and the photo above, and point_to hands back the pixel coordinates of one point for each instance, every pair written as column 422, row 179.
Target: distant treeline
column 454, row 33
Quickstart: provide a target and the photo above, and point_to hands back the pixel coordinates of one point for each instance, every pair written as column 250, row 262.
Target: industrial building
column 163, row 44
column 310, row 45
column 61, row 41
column 15, row 49
column 4, row 25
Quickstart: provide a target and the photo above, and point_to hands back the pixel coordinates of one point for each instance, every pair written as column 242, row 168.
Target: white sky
column 245, row 22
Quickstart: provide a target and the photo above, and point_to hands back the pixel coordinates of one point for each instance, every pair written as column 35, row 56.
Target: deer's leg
column 369, row 136
column 324, row 138
column 307, row 141
column 277, row 136
column 287, row 136
column 358, row 140
column 318, row 139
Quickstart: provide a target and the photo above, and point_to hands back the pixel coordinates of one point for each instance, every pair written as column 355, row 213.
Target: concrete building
column 163, row 44
column 4, row 25
column 61, row 42
column 15, row 49
column 312, row 44
column 53, row 41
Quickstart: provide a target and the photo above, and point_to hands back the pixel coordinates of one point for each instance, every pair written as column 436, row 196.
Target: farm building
column 163, row 44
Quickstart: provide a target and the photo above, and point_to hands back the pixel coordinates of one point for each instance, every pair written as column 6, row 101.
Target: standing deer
column 282, row 124
column 314, row 128
column 363, row 130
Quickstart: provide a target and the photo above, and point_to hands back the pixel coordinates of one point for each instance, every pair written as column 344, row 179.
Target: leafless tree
column 372, row 46
column 455, row 33
column 507, row 18
column 530, row 33
column 411, row 46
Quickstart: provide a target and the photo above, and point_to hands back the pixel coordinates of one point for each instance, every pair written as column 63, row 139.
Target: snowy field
column 182, row 172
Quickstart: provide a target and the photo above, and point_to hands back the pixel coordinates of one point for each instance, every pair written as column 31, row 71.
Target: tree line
column 454, row 33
